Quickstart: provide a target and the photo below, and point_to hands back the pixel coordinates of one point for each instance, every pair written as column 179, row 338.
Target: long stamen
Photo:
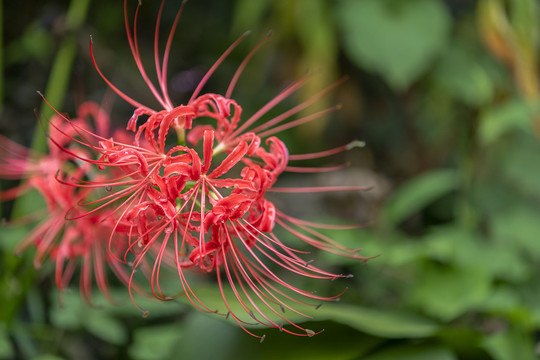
column 215, row 66
column 162, row 72
column 134, row 45
column 271, row 104
column 298, row 122
column 320, row 154
column 311, row 189
column 299, row 169
column 286, row 115
column 114, row 88
column 244, row 63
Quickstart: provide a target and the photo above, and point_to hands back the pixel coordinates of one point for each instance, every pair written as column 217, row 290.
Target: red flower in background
column 65, row 240
column 198, row 204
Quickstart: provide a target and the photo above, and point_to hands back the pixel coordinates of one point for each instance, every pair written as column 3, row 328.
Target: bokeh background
column 445, row 95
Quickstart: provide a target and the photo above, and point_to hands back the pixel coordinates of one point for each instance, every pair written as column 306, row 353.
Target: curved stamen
column 244, row 63
column 215, row 66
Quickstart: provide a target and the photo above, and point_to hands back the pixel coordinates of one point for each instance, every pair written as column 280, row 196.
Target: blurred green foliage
column 445, row 94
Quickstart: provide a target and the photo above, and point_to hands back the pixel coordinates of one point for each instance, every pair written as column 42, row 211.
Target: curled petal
column 234, row 157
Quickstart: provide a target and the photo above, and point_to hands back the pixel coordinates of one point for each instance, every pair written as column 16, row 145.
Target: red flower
column 179, row 207
column 64, row 235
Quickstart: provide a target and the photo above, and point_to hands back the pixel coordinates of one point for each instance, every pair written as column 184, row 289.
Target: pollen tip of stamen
column 338, row 106
column 318, row 306
column 262, row 338
column 280, row 327
column 270, row 33
column 309, row 332
column 246, row 33
column 355, row 144
column 227, row 316
column 91, row 40
column 40, row 93
column 145, row 314
column 282, row 308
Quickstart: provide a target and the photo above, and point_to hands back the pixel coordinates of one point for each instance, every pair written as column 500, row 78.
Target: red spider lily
column 67, row 242
column 176, row 207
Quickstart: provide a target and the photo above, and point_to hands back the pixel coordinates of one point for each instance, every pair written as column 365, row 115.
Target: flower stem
column 14, row 275
column 1, row 57
column 181, row 134
column 61, row 70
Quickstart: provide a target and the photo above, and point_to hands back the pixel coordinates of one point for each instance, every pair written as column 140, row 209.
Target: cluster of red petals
column 181, row 188
column 68, row 243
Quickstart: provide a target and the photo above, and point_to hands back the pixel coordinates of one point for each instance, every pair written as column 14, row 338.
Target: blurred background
column 445, row 95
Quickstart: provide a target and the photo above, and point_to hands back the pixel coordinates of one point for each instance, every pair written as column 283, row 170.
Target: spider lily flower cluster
column 130, row 200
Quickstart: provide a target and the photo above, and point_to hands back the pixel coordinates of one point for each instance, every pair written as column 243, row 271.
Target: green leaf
column 11, row 237
column 464, row 77
column 510, row 345
column 396, row 39
column 48, row 357
column 509, row 116
column 107, row 328
column 518, row 228
column 503, row 299
column 418, row 193
column 465, row 249
column 71, row 313
column 413, row 352
column 380, row 322
column 336, row 342
column 155, row 342
column 6, row 348
column 446, row 293
column 67, row 314
column 515, row 165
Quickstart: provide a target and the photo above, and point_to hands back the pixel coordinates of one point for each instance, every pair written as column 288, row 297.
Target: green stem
column 61, row 70
column 1, row 57
column 181, row 134
column 18, row 274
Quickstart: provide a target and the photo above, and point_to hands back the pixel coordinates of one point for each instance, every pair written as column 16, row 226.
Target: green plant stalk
column 1, row 56
column 56, row 90
column 60, row 74
column 18, row 272
column 466, row 214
